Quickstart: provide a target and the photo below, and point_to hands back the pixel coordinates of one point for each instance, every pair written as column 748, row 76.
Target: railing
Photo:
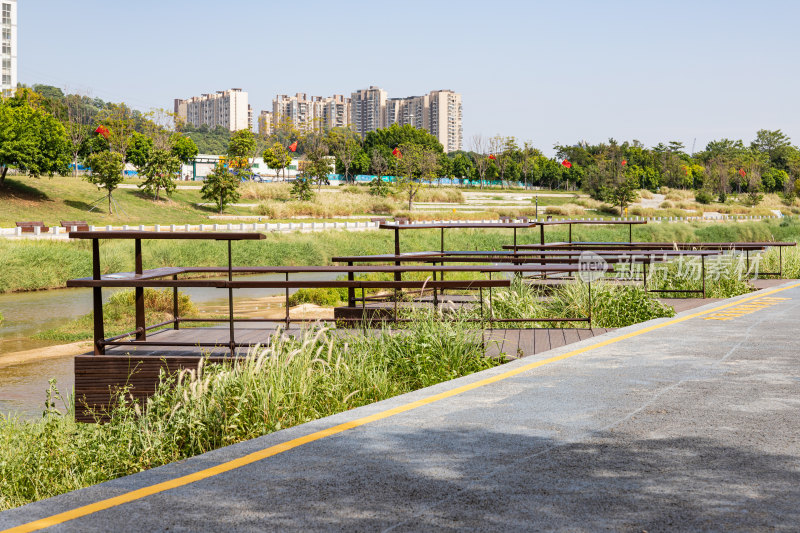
column 168, row 277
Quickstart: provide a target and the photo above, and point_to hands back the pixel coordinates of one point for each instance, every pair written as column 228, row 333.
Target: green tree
column 361, row 163
column 416, row 163
column 378, row 166
column 277, row 157
column 345, row 146
column 77, row 120
column 208, row 141
column 773, row 143
column 622, row 192
column 221, row 186
column 120, row 121
column 528, row 155
column 504, row 149
column 106, row 172
column 462, row 166
column 242, row 145
column 395, row 135
column 184, row 148
column 139, row 150
column 159, row 172
column 480, row 157
column 318, row 163
column 93, row 144
column 241, row 150
column 32, row 140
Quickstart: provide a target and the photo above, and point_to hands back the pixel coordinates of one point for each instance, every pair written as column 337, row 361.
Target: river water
column 23, row 386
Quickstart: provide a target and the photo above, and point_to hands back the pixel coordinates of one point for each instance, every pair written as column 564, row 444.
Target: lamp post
column 537, row 207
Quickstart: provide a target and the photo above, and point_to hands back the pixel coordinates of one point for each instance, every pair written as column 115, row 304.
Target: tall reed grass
column 33, row 264
column 612, row 305
column 726, row 276
column 289, row 382
column 329, row 205
column 119, row 315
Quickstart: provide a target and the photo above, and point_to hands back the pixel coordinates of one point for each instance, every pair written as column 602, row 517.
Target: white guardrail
column 60, row 232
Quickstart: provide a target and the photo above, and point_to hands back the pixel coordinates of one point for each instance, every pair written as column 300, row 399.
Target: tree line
column 44, row 131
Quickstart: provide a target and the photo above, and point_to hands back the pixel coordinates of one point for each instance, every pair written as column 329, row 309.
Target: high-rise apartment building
column 223, row 108
column 413, row 110
column 297, row 110
column 438, row 112
column 445, row 119
column 336, row 112
column 8, row 42
column 368, row 110
column 314, row 113
column 265, row 123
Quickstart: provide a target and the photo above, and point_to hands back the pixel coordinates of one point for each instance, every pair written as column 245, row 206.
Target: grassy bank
column 288, row 383
column 611, row 305
column 65, row 198
column 119, row 315
column 33, row 265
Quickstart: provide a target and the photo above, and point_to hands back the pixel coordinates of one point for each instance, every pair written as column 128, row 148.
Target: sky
column 550, row 73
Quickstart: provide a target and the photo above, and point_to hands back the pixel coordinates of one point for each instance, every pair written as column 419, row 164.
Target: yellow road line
column 85, row 510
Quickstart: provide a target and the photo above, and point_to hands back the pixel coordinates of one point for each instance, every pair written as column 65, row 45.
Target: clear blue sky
column 549, row 72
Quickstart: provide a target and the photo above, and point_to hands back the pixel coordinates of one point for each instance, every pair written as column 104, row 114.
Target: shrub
column 640, row 211
column 564, row 210
column 301, row 189
column 666, row 204
column 703, row 196
column 588, row 203
column 678, row 194
column 123, row 303
column 325, row 297
column 378, row 187
column 753, row 198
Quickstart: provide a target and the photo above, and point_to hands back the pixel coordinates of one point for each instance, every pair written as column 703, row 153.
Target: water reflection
column 22, row 387
column 27, row 313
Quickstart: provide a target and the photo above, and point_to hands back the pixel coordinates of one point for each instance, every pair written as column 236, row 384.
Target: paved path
column 691, row 423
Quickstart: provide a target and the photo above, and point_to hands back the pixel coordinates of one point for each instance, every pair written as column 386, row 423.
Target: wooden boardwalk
column 513, row 342
column 138, row 367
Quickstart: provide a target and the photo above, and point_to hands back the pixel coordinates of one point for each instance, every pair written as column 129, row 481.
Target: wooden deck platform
column 138, row 367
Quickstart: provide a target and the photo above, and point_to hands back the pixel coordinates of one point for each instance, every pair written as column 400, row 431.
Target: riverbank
column 284, row 384
column 36, row 265
column 47, row 352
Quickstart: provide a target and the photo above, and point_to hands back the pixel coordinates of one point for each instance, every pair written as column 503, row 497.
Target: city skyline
column 548, row 73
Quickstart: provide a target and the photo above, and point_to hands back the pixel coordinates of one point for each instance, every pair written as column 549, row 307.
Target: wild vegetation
column 289, row 382
column 45, row 130
column 612, row 305
column 34, row 264
column 119, row 315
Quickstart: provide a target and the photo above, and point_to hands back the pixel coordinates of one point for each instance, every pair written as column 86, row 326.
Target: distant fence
column 321, row 225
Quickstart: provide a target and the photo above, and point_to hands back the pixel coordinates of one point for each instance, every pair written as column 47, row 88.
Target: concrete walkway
column 690, row 423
